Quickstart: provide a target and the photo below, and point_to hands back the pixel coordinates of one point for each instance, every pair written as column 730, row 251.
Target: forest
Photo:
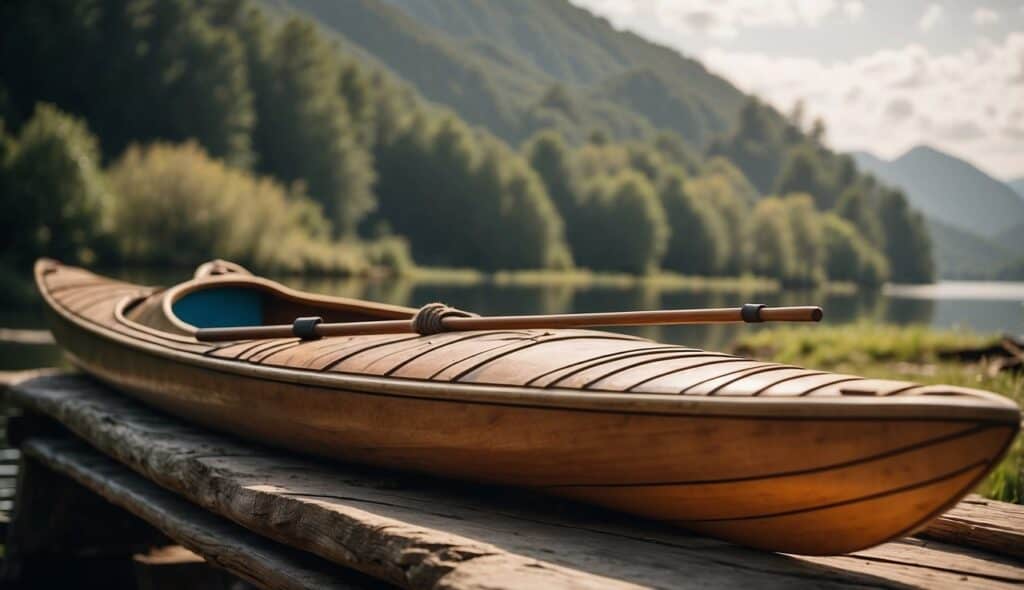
column 169, row 132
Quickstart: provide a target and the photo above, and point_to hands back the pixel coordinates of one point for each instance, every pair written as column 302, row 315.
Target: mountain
column 961, row 254
column 1017, row 184
column 950, row 190
column 497, row 63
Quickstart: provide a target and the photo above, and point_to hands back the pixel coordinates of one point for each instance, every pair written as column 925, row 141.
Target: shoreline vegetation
column 235, row 134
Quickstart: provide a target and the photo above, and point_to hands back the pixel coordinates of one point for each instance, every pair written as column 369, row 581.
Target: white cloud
column 984, row 16
column 853, row 9
column 931, row 16
column 966, row 102
column 724, row 18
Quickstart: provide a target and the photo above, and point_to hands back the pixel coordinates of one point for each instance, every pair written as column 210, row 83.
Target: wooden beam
column 221, row 543
column 984, row 524
column 423, row 533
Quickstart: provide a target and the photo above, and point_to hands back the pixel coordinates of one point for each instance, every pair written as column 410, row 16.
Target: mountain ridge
column 948, row 189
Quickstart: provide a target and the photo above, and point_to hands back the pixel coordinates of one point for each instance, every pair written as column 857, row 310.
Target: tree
column 177, row 206
column 908, row 246
column 53, row 193
column 755, row 145
column 849, row 256
column 135, row 69
column 625, row 225
column 804, row 227
column 855, row 206
column 552, row 160
column 773, row 252
column 304, row 132
column 465, row 199
column 803, row 172
column 733, row 212
column 698, row 238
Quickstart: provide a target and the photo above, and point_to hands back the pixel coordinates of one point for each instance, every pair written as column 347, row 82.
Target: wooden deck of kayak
column 279, row 520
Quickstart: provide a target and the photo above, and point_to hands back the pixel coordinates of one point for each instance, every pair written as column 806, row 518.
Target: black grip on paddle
column 305, row 328
column 751, row 312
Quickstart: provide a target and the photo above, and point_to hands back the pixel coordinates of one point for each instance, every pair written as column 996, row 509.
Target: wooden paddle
column 445, row 319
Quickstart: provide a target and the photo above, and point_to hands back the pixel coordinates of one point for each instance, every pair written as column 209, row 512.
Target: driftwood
column 422, row 533
column 1005, row 355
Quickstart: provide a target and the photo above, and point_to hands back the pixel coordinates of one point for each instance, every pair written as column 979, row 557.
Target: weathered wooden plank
column 221, row 543
column 421, row 533
column 984, row 524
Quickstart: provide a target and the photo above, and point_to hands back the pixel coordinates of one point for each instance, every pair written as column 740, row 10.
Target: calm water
column 981, row 307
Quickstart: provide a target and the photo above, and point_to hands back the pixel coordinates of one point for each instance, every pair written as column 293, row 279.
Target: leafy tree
column 698, row 243
column 675, row 151
column 855, row 206
column 465, row 199
column 773, row 252
column 626, row 226
column 803, row 172
column 53, row 193
column 135, row 69
column 805, row 232
column 304, row 131
column 552, row 160
column 177, row 206
column 908, row 246
column 755, row 144
column 717, row 192
column 849, row 256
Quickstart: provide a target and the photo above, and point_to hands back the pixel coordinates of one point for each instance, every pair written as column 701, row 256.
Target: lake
column 978, row 306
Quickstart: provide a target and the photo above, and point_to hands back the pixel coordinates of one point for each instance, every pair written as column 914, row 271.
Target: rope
column 427, row 320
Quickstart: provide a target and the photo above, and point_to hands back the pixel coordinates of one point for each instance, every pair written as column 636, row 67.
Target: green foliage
column 802, row 173
column 52, row 192
column 804, row 229
column 135, row 69
column 855, row 206
column 178, row 195
column 773, row 251
column 465, row 199
column 304, row 131
column 699, row 242
column 595, row 183
column 626, row 226
column 907, row 244
column 849, row 256
column 718, row 191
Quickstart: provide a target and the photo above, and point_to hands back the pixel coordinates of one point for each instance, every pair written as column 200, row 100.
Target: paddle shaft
column 519, row 322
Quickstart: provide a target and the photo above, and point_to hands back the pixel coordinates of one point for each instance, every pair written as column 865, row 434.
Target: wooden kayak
column 762, row 454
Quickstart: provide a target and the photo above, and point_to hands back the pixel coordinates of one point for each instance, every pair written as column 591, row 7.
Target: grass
column 905, row 353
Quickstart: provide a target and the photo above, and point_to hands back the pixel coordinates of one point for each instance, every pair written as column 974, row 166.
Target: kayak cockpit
column 236, row 300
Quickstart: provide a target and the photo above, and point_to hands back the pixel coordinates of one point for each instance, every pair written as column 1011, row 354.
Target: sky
column 884, row 76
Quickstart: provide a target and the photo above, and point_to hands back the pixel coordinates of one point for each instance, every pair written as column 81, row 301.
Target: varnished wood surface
column 763, row 454
column 424, row 533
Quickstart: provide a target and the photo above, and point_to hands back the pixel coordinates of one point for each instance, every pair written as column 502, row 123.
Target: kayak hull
column 836, row 477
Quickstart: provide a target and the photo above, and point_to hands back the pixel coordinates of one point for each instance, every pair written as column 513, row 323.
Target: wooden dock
column 280, row 520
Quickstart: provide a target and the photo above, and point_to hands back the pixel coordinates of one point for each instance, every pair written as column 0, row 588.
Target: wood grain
column 221, row 543
column 423, row 533
column 992, row 526
column 683, row 436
